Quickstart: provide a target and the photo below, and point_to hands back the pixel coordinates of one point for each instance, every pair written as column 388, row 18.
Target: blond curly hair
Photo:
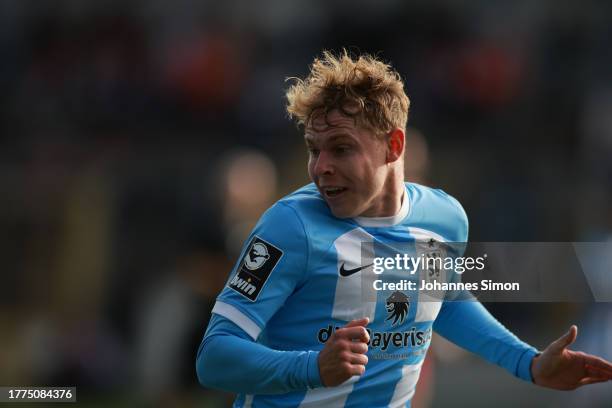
column 364, row 88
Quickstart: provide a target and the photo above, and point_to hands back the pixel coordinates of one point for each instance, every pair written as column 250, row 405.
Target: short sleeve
column 272, row 263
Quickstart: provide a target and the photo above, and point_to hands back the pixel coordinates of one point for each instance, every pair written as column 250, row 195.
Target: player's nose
column 323, row 165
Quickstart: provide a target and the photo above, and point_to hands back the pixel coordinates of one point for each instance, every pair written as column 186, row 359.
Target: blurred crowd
column 140, row 142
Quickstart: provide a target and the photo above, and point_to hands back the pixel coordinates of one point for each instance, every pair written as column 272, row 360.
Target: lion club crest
column 397, row 307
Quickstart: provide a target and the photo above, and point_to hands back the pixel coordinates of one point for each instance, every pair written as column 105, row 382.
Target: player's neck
column 393, row 198
column 389, row 203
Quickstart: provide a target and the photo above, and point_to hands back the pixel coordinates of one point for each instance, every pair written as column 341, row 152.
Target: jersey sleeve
column 228, row 359
column 469, row 325
column 272, row 264
column 466, row 322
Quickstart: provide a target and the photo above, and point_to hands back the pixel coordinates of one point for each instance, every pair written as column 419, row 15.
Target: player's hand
column 344, row 354
column 563, row 369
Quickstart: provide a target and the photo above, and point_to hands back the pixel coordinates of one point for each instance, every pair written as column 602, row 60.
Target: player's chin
column 342, row 211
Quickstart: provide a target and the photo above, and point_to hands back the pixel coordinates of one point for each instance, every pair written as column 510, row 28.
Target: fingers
column 354, row 369
column 358, row 333
column 344, row 354
column 358, row 347
column 565, row 340
column 573, row 334
column 355, row 363
column 355, row 358
column 592, row 380
column 598, row 363
column 594, row 371
column 358, row 322
column 353, row 338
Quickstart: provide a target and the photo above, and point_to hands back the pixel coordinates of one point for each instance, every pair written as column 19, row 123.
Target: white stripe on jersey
column 404, row 389
column 332, row 397
column 427, row 309
column 237, row 317
column 421, row 234
column 429, row 304
column 348, row 301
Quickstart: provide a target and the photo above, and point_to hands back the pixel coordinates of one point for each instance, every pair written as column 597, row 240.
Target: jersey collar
column 387, row 221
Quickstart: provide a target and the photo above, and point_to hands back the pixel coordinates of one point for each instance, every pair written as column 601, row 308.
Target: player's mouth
column 333, row 191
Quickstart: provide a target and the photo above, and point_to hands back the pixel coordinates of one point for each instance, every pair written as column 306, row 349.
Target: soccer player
column 292, row 327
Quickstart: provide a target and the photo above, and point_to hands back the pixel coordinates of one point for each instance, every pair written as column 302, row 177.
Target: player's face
column 348, row 165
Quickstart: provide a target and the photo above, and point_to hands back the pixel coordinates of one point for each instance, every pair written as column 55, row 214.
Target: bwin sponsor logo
column 243, row 285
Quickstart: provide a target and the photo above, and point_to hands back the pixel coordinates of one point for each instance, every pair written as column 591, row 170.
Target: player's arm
column 274, row 262
column 465, row 321
column 229, row 359
column 469, row 325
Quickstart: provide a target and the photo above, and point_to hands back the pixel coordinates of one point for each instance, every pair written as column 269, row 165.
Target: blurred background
column 140, row 141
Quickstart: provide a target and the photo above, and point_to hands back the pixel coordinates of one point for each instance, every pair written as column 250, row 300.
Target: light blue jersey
column 301, row 275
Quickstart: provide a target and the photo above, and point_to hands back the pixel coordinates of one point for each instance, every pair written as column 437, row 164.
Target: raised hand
column 563, row 369
column 344, row 354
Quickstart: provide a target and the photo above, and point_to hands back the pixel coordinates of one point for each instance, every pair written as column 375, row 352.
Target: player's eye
column 342, row 149
column 313, row 152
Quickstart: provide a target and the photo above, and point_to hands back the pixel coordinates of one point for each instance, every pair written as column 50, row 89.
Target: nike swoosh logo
column 349, row 272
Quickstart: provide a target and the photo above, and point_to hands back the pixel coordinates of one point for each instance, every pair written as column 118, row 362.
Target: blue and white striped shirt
column 300, row 275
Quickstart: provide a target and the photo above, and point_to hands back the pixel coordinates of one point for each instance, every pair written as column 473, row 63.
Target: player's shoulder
column 307, row 203
column 283, row 226
column 438, row 198
column 305, row 196
column 304, row 204
column 309, row 209
column 436, row 209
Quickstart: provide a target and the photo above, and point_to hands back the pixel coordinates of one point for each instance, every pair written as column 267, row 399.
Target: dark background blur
column 140, row 142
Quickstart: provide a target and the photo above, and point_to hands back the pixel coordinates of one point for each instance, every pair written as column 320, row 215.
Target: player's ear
column 395, row 145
